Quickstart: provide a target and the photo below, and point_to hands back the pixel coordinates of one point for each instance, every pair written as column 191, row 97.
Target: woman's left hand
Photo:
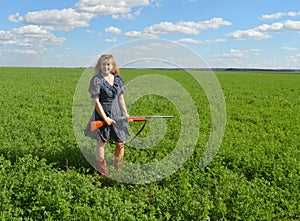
column 129, row 119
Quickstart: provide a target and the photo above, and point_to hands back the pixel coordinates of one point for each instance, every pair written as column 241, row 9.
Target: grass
column 254, row 176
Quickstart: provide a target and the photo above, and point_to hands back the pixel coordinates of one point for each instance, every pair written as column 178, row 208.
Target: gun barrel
column 152, row 117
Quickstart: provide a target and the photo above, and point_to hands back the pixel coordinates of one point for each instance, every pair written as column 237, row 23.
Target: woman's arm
column 123, row 105
column 101, row 112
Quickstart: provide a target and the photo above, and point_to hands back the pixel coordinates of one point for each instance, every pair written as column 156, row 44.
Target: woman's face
column 106, row 66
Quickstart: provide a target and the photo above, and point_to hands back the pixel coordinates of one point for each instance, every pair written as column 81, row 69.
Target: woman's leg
column 119, row 154
column 100, row 158
column 100, row 151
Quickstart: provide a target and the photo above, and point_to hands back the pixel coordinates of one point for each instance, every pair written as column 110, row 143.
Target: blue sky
column 225, row 33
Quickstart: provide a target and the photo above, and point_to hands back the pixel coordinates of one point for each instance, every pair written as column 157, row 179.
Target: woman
column 107, row 93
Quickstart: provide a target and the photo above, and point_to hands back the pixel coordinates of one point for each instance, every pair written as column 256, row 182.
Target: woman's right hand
column 109, row 121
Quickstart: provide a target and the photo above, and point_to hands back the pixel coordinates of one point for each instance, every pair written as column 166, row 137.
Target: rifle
column 98, row 123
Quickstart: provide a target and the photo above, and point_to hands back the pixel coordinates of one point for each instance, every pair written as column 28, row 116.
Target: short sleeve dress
column 108, row 96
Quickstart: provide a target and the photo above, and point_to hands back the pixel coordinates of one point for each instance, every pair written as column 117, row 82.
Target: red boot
column 101, row 167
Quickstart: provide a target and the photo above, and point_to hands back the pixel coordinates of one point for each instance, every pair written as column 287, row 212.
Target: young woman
column 107, row 93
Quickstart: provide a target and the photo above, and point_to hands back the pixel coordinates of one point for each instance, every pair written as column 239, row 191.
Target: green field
column 254, row 176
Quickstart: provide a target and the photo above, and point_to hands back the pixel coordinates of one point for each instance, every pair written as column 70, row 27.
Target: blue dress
column 108, row 96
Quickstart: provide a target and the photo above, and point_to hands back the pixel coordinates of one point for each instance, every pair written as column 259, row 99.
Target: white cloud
column 69, row 18
column 111, row 40
column 33, row 31
column 12, row 42
column 37, row 36
column 65, row 19
column 127, row 16
column 194, row 41
column 189, row 40
column 255, row 51
column 189, row 27
column 292, row 25
column 169, row 27
column 90, row 31
column 113, row 30
column 293, row 14
column 248, row 34
column 294, row 60
column 213, row 23
column 15, row 18
column 236, row 57
column 270, row 28
column 264, row 31
column 287, row 48
column 233, row 53
column 272, row 16
column 30, row 36
column 279, row 15
column 216, row 40
column 24, row 52
column 118, row 9
column 138, row 34
column 5, row 36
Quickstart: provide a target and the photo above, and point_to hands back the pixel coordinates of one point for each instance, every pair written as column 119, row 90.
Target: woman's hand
column 109, row 121
column 129, row 119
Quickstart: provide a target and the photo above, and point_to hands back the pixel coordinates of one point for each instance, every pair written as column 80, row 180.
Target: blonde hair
column 101, row 60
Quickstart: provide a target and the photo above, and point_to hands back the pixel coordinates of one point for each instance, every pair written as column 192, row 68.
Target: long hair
column 101, row 60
